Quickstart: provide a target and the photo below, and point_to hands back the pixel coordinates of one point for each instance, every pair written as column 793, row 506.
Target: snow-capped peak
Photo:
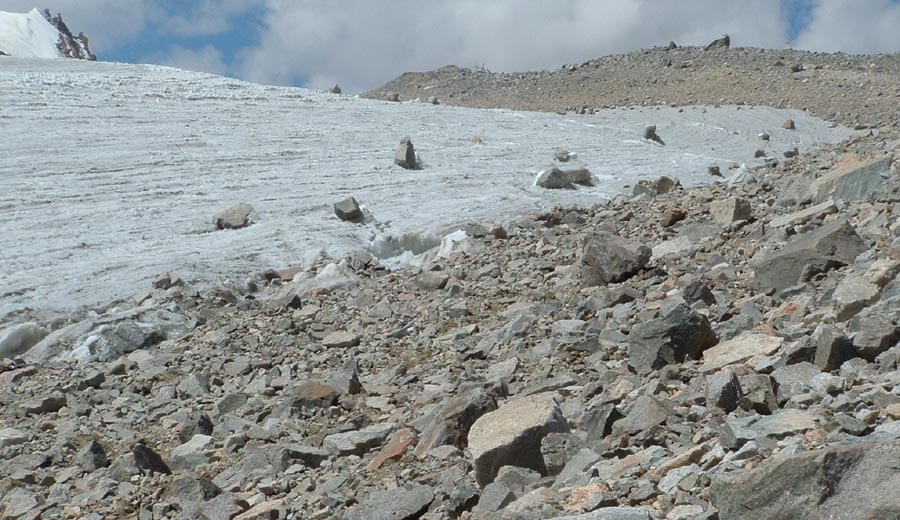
column 38, row 35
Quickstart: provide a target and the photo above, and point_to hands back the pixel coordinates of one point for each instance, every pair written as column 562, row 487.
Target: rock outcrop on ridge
column 854, row 90
column 69, row 46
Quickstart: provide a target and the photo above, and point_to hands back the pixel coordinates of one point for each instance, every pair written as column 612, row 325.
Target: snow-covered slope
column 111, row 173
column 28, row 35
column 40, row 35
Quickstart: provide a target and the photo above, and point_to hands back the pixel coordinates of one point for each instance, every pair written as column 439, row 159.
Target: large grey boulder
column 857, row 481
column 406, row 155
column 554, row 179
column 852, row 179
column 679, row 333
column 235, row 217
column 827, row 247
column 512, row 435
column 607, row 258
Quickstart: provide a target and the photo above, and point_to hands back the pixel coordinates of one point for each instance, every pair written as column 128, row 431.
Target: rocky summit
column 721, row 351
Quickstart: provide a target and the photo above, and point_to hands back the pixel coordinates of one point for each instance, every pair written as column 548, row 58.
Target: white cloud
column 210, row 17
column 208, row 59
column 853, row 26
column 361, row 44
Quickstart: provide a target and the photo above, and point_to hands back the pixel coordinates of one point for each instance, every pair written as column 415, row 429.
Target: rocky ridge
column 69, row 45
column 856, row 90
column 671, row 354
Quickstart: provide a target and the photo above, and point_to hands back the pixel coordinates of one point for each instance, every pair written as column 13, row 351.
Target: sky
column 362, row 44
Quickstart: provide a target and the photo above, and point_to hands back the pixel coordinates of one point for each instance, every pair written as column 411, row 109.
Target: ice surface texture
column 111, row 173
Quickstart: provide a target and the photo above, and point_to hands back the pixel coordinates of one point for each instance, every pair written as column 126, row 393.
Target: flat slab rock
column 858, row 481
column 512, row 434
column 739, row 350
column 611, row 513
column 394, row 504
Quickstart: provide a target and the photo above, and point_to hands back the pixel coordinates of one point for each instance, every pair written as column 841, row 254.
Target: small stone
column 336, row 89
column 189, row 456
column 730, row 210
column 148, row 460
column 92, row 457
column 607, row 258
column 340, row 339
column 789, row 125
column 723, row 390
column 395, row 448
column 432, row 280
column 358, row 442
column 264, row 511
column 393, row 97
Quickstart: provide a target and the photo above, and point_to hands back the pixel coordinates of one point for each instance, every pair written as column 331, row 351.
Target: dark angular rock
column 348, row 209
column 193, row 489
column 723, row 390
column 557, row 449
column 149, row 461
column 651, row 135
column 610, row 259
column 858, row 481
column 720, row 43
column 833, row 348
column 92, row 457
column 462, row 498
column 680, row 333
column 698, row 291
column 830, row 246
column 452, row 422
column 346, row 380
column 874, row 334
column 598, row 422
column 197, row 423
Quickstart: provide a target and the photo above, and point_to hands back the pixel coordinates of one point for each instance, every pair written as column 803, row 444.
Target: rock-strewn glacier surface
column 111, row 173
